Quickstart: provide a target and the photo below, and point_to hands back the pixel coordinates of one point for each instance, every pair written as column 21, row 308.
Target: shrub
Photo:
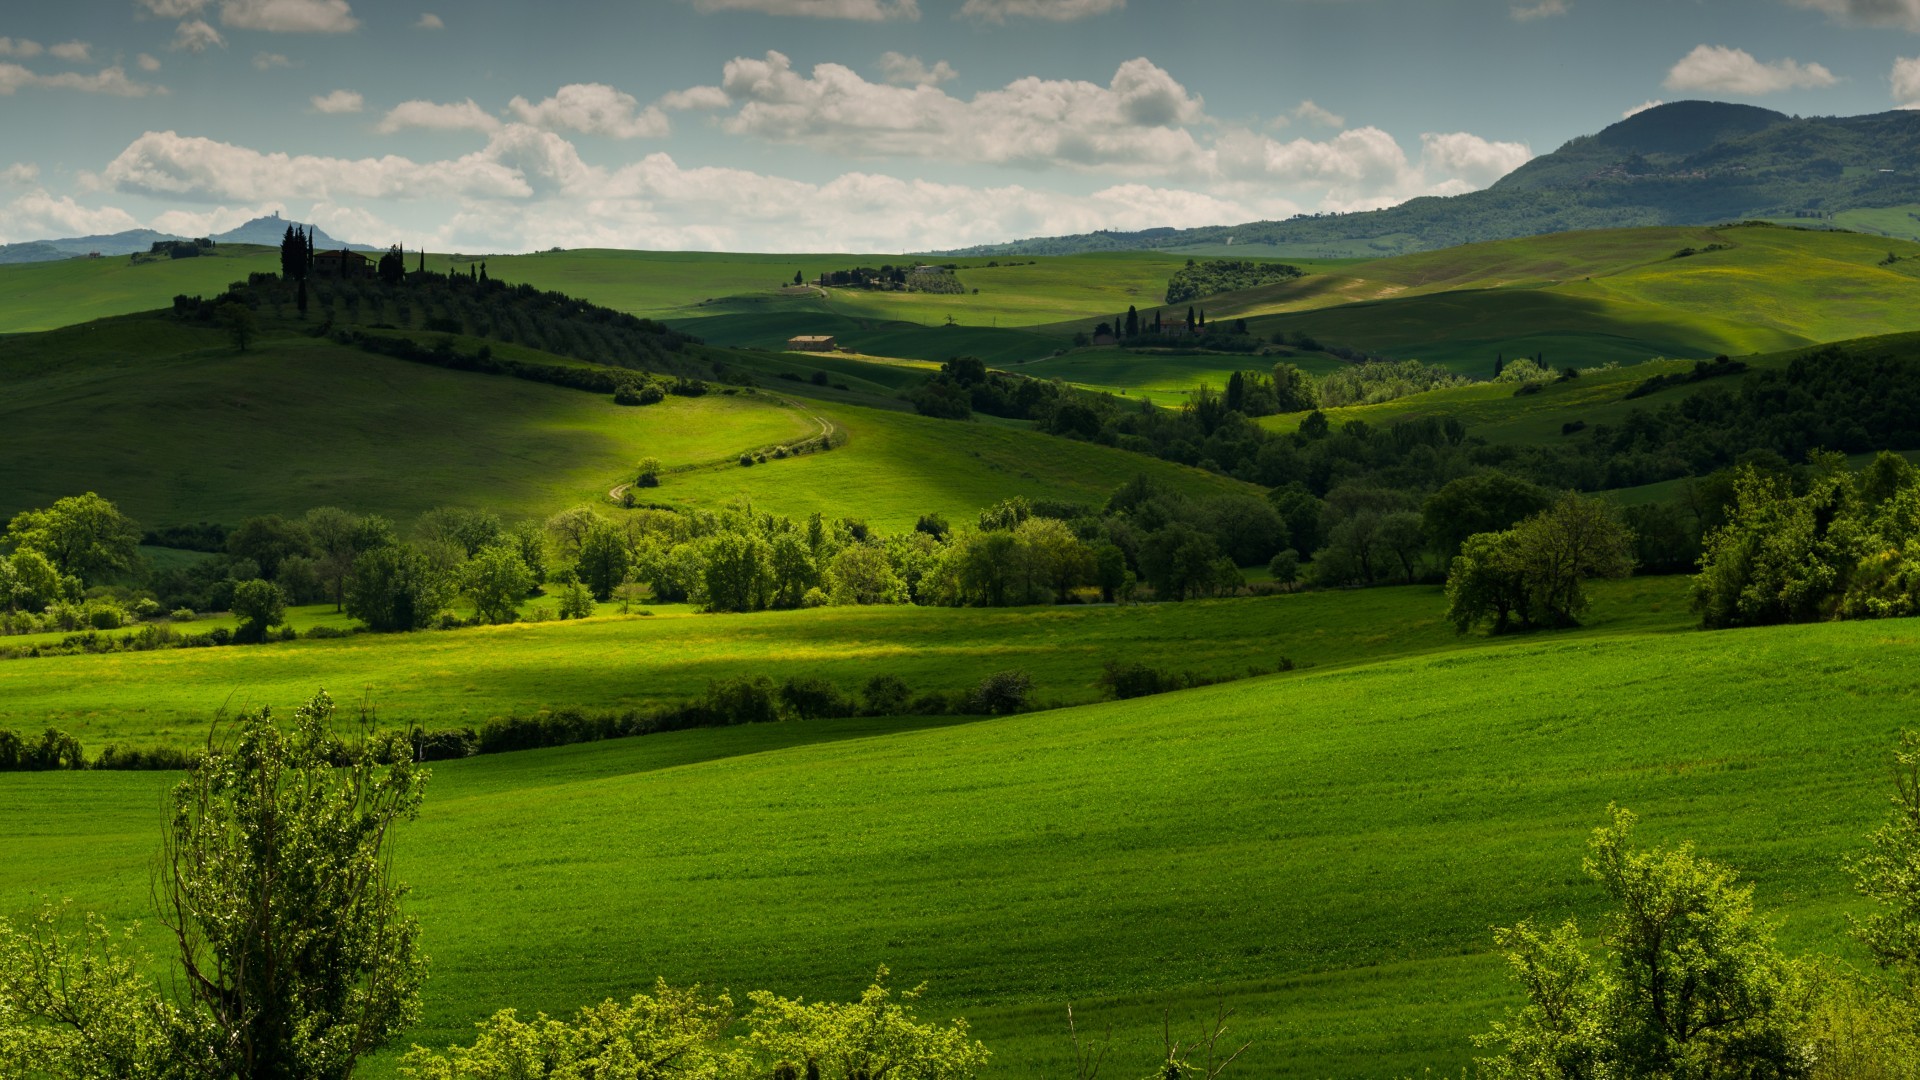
column 1135, row 680
column 124, row 758
column 323, row 633
column 812, row 698
column 885, row 695
column 576, row 601
column 742, row 699
column 1001, row 693
column 181, row 614
column 1285, row 567
column 445, row 745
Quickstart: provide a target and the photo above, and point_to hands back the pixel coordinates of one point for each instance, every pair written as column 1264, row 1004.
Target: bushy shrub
column 1001, row 693
column 743, row 699
column 1132, row 679
column 813, row 698
column 125, row 758
column 448, row 744
column 182, row 614
column 885, row 695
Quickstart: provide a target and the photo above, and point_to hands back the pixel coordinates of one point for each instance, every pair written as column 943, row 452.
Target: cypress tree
column 1190, row 323
column 1133, row 322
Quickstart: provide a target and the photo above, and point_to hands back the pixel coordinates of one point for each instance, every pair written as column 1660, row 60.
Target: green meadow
column 462, row 677
column 49, row 295
column 1326, row 850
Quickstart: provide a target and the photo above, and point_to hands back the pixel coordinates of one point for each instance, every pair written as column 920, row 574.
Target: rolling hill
column 1326, row 850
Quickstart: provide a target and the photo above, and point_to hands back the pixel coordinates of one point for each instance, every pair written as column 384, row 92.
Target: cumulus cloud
column 696, row 97
column 266, row 61
column 111, row 81
column 1650, row 103
column 75, row 52
column 593, row 109
column 207, row 222
column 999, row 11
column 169, row 165
column 1471, row 159
column 174, row 9
column 20, row 47
column 1137, row 121
column 196, row 35
column 854, row 10
column 1901, row 13
column 1906, row 81
column 1716, row 68
column 1314, row 114
column 148, row 63
column 430, row 21
column 339, row 103
column 19, row 174
column 433, row 116
column 37, row 215
column 290, row 16
column 1545, row 9
column 902, row 70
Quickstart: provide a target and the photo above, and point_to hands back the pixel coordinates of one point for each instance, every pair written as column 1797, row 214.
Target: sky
column 854, row 125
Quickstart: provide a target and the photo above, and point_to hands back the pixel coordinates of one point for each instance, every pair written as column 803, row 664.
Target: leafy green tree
column 1292, row 389
column 739, row 572
column 295, row 956
column 1575, row 539
column 1486, row 582
column 259, row 606
column 496, row 580
column 29, row 581
column 576, row 600
column 795, row 571
column 1248, row 529
column 649, row 474
column 530, row 543
column 240, row 324
column 1692, row 984
column 1054, row 559
column 82, row 535
column 333, row 533
column 396, row 588
column 459, row 527
column 1179, row 562
column 1889, row 873
column 862, row 574
column 268, row 540
column 603, row 561
column 1482, row 503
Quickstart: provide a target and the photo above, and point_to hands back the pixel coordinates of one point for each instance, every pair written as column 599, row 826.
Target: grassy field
column 1325, row 849
column 47, row 295
column 1166, row 378
column 462, row 677
column 216, row 435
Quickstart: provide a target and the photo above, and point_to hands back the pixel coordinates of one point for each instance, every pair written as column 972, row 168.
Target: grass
column 48, row 295
column 1166, row 378
column 200, row 432
column 1325, row 849
column 463, row 677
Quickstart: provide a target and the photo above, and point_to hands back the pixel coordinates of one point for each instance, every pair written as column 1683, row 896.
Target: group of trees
column 1825, row 543
column 1532, row 574
column 50, row 558
column 1198, row 280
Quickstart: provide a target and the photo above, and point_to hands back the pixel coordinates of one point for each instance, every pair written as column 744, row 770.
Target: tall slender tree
column 1133, row 322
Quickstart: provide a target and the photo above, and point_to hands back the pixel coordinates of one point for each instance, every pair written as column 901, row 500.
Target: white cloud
column 148, row 63
column 998, row 11
column 20, row 47
column 902, row 70
column 174, row 9
column 340, row 102
column 266, row 61
column 1719, row 69
column 170, row 165
column 430, row 21
column 1314, row 114
column 1470, row 158
column 76, row 52
column 1544, row 9
column 40, row 216
column 432, row 116
column 1906, row 80
column 855, row 10
column 1650, row 103
column 207, row 222
column 112, row 81
column 1901, row 13
column 195, row 35
column 20, row 174
column 593, row 109
column 696, row 97
column 290, row 16
column 1137, row 122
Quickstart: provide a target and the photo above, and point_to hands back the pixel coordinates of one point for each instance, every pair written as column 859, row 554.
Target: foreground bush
column 681, row 1033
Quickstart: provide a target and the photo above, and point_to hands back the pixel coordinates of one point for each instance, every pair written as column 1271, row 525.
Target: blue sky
column 872, row 125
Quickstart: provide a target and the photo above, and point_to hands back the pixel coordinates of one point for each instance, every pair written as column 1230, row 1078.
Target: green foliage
column 79, row 1005
column 1487, row 502
column 676, row 1034
column 1692, row 985
column 1536, row 571
column 239, row 322
column 394, row 587
column 260, row 606
column 82, row 535
column 1889, row 873
column 496, row 579
column 1198, row 280
column 576, row 600
column 1002, row 692
column 603, row 561
column 1372, row 383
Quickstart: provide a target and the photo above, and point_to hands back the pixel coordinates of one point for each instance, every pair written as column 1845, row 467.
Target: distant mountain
column 1687, row 163
column 263, row 230
column 270, row 229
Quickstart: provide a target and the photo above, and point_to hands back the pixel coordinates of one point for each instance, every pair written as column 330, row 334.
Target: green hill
column 1326, row 850
column 206, row 433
